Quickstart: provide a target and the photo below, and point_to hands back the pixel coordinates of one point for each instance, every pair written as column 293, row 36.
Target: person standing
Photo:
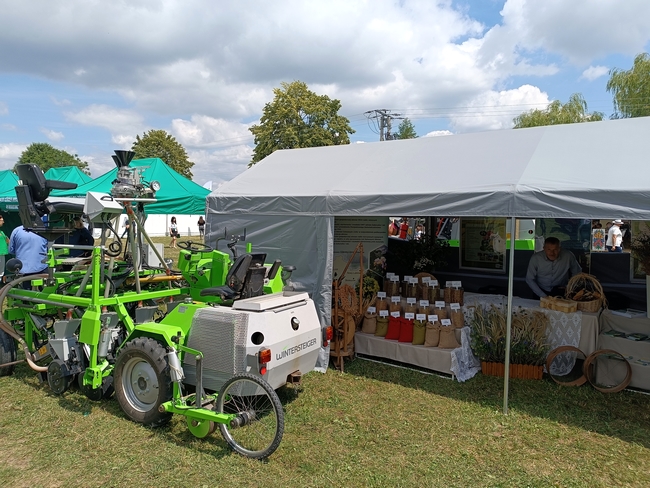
column 201, row 224
column 173, row 232
column 30, row 249
column 4, row 247
column 127, row 226
column 615, row 237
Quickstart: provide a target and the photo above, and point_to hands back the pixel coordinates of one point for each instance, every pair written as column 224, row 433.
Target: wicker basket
column 591, row 306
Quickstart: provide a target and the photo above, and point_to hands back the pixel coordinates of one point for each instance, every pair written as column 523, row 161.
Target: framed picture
column 483, row 244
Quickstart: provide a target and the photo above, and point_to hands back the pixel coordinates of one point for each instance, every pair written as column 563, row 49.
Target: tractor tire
column 142, row 381
column 7, row 353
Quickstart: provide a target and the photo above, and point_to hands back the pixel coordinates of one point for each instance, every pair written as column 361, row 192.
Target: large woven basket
column 591, row 306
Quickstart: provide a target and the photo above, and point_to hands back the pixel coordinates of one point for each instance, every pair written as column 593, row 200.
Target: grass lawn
column 375, row 425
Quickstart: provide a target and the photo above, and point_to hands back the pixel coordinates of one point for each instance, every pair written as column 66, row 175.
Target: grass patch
column 375, row 425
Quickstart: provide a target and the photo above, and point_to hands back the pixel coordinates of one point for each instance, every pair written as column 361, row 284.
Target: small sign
column 407, row 278
column 421, row 316
column 446, row 322
column 411, row 300
column 383, row 313
column 440, row 304
column 395, row 314
column 448, row 284
column 413, row 281
column 394, row 278
column 424, row 303
column 426, row 279
column 455, row 306
column 433, row 318
column 372, row 309
column 381, row 294
column 456, row 284
column 396, row 299
column 409, row 315
column 433, row 283
column 390, row 275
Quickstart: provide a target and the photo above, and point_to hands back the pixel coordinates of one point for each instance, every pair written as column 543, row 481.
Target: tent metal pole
column 511, row 267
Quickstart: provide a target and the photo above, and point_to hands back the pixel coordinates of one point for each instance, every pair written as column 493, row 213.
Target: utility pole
column 382, row 121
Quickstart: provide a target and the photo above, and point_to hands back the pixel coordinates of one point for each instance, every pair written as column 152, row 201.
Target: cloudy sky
column 87, row 76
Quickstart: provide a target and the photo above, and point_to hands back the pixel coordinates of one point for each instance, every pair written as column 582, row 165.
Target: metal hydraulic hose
column 6, row 326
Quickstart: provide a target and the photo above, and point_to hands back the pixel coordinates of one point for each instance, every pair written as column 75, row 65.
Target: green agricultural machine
column 211, row 342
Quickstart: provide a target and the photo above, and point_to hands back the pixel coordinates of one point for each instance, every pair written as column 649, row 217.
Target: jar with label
column 395, row 304
column 433, row 292
column 440, row 309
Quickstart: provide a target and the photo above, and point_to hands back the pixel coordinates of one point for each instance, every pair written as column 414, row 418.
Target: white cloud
column 493, row 110
column 7, row 127
column 221, row 165
column 580, row 30
column 203, row 131
column 123, row 124
column 60, row 102
column 52, row 135
column 437, row 133
column 3, row 109
column 594, row 72
column 9, row 154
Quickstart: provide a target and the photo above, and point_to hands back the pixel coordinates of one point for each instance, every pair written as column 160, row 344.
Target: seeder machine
column 211, row 342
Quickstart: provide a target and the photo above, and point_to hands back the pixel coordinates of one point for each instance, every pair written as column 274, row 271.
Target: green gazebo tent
column 71, row 174
column 177, row 194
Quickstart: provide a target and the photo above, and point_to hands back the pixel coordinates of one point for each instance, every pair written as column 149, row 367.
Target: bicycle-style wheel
column 257, row 429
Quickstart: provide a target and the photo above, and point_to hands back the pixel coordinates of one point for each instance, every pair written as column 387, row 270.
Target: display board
column 483, row 243
column 371, row 232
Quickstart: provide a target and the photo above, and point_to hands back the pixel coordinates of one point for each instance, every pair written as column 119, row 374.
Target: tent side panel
column 305, row 242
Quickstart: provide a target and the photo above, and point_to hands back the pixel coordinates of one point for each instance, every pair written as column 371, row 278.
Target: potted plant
column 528, row 345
column 641, row 251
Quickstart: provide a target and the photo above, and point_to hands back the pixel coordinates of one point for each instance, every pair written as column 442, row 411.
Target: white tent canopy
column 596, row 169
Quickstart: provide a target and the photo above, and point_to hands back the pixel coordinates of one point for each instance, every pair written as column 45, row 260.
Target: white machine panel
column 268, row 302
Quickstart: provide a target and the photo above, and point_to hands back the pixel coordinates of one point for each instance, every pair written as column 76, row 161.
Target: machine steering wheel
column 194, row 246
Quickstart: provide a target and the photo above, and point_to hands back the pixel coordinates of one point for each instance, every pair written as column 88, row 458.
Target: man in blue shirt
column 549, row 270
column 30, row 248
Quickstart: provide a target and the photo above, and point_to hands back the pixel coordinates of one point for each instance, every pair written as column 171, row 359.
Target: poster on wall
column 598, row 240
column 483, row 243
column 372, row 233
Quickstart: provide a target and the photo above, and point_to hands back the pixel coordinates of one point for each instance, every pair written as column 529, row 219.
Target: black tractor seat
column 36, row 212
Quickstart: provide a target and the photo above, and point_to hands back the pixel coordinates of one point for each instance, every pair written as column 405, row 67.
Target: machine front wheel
column 257, row 429
column 7, row 352
column 142, row 381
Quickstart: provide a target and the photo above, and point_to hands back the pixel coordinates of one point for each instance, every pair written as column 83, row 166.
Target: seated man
column 549, row 270
column 82, row 237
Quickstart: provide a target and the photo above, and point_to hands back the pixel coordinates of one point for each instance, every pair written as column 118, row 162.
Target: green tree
column 575, row 110
column 297, row 117
column 406, row 130
column 631, row 88
column 46, row 157
column 160, row 144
